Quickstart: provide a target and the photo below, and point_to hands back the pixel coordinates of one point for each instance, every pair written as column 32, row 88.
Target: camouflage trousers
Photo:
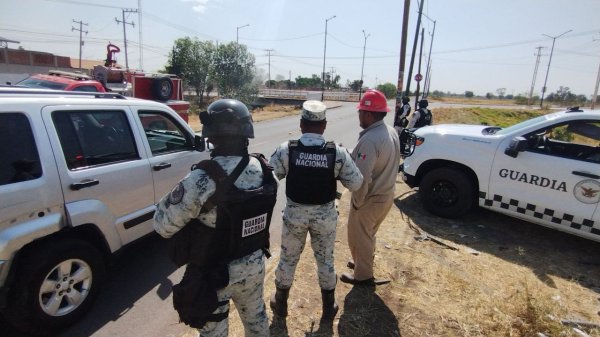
column 293, row 239
column 246, row 281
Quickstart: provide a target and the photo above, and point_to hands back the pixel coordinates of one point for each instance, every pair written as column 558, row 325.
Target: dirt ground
column 483, row 275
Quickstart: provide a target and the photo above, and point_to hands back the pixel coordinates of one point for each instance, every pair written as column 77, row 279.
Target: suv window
column 94, row 137
column 19, row 159
column 164, row 135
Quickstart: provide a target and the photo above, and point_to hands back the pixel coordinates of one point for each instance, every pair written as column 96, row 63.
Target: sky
column 478, row 45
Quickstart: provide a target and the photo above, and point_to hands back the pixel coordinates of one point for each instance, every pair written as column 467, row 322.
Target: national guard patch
column 176, row 194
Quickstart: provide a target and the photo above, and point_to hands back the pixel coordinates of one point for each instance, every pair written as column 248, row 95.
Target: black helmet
column 423, row 103
column 405, row 100
column 227, row 117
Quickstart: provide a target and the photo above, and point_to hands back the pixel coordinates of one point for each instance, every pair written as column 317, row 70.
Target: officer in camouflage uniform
column 312, row 167
column 229, row 133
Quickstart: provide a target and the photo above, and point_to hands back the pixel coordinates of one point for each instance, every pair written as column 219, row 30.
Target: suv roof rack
column 48, row 92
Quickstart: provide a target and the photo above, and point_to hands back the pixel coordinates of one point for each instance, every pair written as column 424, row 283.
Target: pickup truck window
column 19, row 159
column 96, row 137
column 163, row 134
column 573, row 140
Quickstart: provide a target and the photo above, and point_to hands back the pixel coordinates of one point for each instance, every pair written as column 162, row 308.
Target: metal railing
column 309, row 95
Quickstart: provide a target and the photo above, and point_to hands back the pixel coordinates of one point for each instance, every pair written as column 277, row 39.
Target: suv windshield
column 38, row 83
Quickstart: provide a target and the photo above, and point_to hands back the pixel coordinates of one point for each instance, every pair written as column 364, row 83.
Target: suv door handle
column 161, row 166
column 585, row 174
column 84, row 183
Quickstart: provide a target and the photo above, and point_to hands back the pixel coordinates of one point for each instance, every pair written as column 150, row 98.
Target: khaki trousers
column 363, row 224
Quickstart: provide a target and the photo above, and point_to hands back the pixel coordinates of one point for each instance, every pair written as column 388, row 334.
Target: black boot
column 279, row 302
column 330, row 308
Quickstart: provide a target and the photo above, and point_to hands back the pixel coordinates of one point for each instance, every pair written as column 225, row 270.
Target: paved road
column 136, row 300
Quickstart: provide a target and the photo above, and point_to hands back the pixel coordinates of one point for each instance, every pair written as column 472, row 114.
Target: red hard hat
column 373, row 100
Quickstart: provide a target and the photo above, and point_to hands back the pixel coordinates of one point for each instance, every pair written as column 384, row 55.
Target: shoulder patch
column 176, row 194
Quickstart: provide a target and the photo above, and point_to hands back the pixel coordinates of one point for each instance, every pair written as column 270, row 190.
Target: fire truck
column 164, row 88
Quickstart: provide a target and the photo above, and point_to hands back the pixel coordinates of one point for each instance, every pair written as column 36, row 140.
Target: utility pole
column 125, row 10
column 414, row 50
column 535, row 70
column 420, row 57
column 237, row 33
column 427, row 81
column 269, row 54
column 363, row 64
column 400, row 84
column 550, row 60
column 140, row 32
column 81, row 31
column 595, row 90
column 427, row 84
column 324, row 53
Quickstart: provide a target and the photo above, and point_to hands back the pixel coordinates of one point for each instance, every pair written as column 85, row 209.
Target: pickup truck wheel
column 162, row 88
column 447, row 192
column 56, row 284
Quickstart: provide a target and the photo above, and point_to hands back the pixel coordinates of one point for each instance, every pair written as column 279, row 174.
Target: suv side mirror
column 199, row 143
column 517, row 144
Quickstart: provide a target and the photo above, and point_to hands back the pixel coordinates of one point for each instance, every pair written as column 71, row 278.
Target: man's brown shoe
column 347, row 278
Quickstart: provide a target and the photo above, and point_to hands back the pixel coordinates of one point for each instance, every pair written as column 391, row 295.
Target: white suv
column 545, row 170
column 80, row 174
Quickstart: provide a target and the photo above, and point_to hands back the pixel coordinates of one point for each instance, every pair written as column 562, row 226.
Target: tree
column 233, row 72
column 501, row 92
column 469, row 94
column 388, row 89
column 437, row 94
column 308, row 82
column 191, row 59
column 355, row 85
column 489, row 95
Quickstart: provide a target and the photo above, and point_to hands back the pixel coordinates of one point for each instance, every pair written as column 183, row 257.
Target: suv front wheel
column 55, row 285
column 447, row 192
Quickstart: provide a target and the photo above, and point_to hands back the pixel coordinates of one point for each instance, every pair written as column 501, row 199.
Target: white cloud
column 199, row 5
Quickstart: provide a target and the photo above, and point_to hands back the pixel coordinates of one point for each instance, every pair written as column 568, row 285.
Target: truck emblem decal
column 533, row 179
column 587, row 191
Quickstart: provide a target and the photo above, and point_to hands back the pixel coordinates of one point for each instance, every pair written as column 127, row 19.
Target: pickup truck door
column 548, row 183
column 104, row 173
column 170, row 148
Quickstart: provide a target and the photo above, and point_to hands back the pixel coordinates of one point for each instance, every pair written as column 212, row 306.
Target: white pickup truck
column 545, row 170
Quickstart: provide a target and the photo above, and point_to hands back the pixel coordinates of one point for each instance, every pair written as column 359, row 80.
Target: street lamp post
column 550, row 60
column 363, row 64
column 324, row 53
column 237, row 33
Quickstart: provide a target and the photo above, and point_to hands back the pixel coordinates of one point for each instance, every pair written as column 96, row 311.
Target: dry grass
column 473, row 100
column 498, row 282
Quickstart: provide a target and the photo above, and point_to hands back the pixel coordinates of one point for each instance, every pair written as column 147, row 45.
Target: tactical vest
column 424, row 119
column 243, row 219
column 311, row 178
